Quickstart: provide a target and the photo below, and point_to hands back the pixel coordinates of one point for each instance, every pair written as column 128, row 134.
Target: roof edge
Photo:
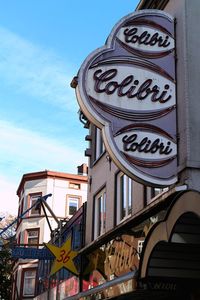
column 46, row 174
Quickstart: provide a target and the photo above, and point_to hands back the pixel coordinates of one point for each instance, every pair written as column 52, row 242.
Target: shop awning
column 172, row 247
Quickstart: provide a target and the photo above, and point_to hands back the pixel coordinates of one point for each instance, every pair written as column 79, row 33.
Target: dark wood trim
column 144, row 195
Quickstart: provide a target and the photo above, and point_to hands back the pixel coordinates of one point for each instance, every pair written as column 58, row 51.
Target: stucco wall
column 187, row 14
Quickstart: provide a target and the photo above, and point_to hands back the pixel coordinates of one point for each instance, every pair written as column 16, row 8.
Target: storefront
column 156, row 259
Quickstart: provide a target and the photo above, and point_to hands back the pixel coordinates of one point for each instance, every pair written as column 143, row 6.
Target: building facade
column 63, row 283
column 142, row 240
column 69, row 192
column 145, row 239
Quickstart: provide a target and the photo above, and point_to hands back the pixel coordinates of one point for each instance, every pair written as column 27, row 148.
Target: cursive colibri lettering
column 129, row 86
column 131, row 143
column 132, row 36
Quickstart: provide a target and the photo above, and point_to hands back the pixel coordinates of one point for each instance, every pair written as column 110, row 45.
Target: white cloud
column 30, row 70
column 24, row 151
column 35, row 71
column 28, row 150
column 8, row 197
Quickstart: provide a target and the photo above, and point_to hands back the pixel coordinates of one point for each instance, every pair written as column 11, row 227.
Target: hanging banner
column 127, row 88
column 31, row 253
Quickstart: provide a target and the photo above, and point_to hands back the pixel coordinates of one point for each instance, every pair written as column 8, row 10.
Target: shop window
column 32, row 199
column 33, row 237
column 99, row 145
column 100, row 213
column 75, row 186
column 72, row 205
column 123, row 196
column 29, row 283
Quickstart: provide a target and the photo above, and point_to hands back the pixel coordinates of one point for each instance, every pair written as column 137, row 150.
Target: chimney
column 82, row 169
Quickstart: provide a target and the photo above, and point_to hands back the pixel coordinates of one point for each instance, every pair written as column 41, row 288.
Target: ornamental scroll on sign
column 127, row 88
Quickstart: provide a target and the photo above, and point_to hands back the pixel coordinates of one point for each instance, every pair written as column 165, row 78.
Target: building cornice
column 50, row 174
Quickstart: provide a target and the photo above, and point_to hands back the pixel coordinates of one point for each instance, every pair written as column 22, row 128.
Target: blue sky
column 43, row 43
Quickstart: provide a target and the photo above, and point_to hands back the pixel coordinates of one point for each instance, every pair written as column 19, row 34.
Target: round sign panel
column 127, row 88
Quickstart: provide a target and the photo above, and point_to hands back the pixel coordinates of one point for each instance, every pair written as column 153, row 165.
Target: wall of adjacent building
column 187, row 14
column 60, row 189
column 102, row 174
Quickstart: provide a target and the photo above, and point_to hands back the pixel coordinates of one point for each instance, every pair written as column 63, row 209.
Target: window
column 99, row 146
column 32, row 199
column 29, row 283
column 151, row 192
column 33, row 237
column 156, row 191
column 124, row 197
column 75, row 186
column 72, row 205
column 100, row 213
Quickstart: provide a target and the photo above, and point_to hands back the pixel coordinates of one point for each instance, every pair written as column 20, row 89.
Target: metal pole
column 42, row 204
column 51, row 212
column 58, row 274
column 19, row 217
